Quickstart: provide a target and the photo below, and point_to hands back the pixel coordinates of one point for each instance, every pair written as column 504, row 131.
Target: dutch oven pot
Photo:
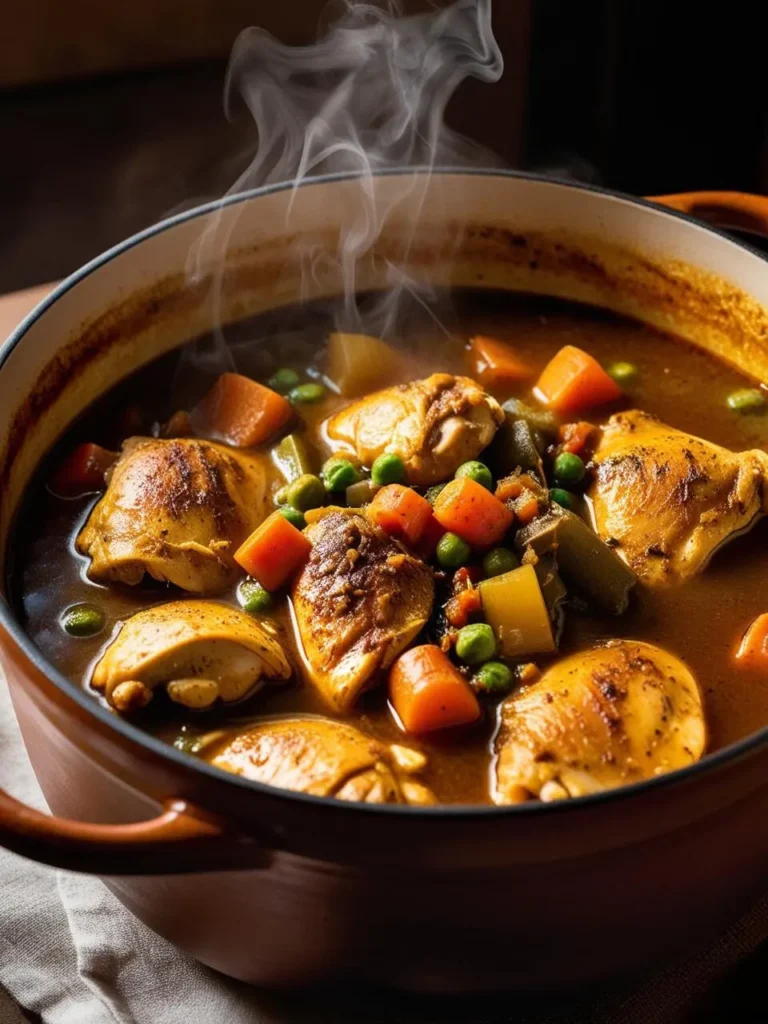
column 281, row 888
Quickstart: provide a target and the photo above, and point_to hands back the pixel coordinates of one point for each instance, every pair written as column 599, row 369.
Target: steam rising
column 369, row 96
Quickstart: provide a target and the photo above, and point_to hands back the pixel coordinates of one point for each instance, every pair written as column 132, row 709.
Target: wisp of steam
column 368, row 97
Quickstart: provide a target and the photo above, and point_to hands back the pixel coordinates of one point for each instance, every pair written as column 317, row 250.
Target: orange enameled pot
column 280, row 888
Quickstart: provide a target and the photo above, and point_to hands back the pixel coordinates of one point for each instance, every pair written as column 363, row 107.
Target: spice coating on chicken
column 359, row 600
column 433, row 425
column 618, row 713
column 666, row 500
column 178, row 510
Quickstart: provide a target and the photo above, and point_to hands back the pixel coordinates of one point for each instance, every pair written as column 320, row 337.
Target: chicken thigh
column 198, row 650
column 433, row 425
column 615, row 714
column 666, row 500
column 325, row 758
column 360, row 599
column 177, row 510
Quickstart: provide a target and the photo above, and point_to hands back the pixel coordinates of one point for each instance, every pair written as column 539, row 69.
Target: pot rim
column 179, row 760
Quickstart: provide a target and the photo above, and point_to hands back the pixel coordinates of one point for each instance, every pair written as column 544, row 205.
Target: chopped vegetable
column 496, row 364
column 584, row 560
column 493, row 678
column 432, row 492
column 514, row 607
column 622, row 372
column 306, row 492
column 552, row 587
column 358, row 363
column 307, row 394
column 563, row 498
column 746, row 400
column 536, row 418
column 253, row 597
column 292, row 457
column 388, row 469
column 241, row 411
column 82, row 472
column 574, row 380
column 361, row 493
column 462, row 607
column 339, row 474
column 274, row 552
column 466, row 508
column 568, row 469
column 498, row 561
column 294, row 517
column 525, row 506
column 284, row 380
column 428, row 692
column 401, row 513
column 83, row 620
column 753, row 649
column 476, row 643
column 476, row 471
column 577, row 438
column 281, row 495
column 452, row 552
column 514, row 447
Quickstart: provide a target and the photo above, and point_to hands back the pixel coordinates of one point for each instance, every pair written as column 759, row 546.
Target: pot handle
column 738, row 210
column 181, row 840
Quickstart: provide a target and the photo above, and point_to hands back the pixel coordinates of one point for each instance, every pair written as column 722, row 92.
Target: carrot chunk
column 428, row 692
column 274, row 552
column 82, row 472
column 466, row 508
column 577, row 438
column 753, row 649
column 574, row 380
column 496, row 364
column 241, row 411
column 401, row 513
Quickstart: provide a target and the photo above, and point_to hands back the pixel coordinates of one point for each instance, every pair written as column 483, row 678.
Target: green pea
column 475, row 643
column 568, row 469
column 452, row 551
column 388, row 469
column 83, row 620
column 284, row 380
column 499, row 561
column 432, row 493
column 746, row 400
column 493, row 677
column 253, row 597
column 478, row 472
column 306, row 394
column 622, row 372
column 563, row 498
column 305, row 493
column 339, row 474
column 294, row 517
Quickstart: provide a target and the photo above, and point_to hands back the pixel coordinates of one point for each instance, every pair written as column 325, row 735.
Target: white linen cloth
column 71, row 954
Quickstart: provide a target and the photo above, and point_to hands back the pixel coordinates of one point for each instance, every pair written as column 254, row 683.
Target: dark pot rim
column 734, row 752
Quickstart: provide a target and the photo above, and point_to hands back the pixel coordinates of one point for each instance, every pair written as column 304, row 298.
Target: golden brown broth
column 700, row 621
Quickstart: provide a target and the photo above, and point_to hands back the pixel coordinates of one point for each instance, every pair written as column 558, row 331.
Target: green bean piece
column 476, row 643
column 253, row 597
column 746, row 400
column 83, row 620
column 568, row 469
column 476, row 471
column 452, row 551
column 291, row 457
column 294, row 517
column 305, row 493
column 493, row 678
column 498, row 561
column 536, row 418
column 515, row 447
column 622, row 372
column 284, row 380
column 388, row 469
column 563, row 498
column 339, row 474
column 307, row 394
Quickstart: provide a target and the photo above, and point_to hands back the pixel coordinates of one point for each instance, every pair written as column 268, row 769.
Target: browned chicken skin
column 434, row 425
column 325, row 758
column 177, row 510
column 667, row 500
column 601, row 718
column 200, row 651
column 360, row 599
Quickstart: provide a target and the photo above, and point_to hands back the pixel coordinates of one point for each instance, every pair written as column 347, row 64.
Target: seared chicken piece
column 615, row 714
column 198, row 650
column 359, row 600
column 667, row 500
column 178, row 510
column 433, row 425
column 325, row 758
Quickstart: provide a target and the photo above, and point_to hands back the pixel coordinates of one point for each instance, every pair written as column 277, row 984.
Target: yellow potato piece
column 359, row 362
column 514, row 607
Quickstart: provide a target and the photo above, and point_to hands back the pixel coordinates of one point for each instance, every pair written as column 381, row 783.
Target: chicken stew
column 464, row 567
